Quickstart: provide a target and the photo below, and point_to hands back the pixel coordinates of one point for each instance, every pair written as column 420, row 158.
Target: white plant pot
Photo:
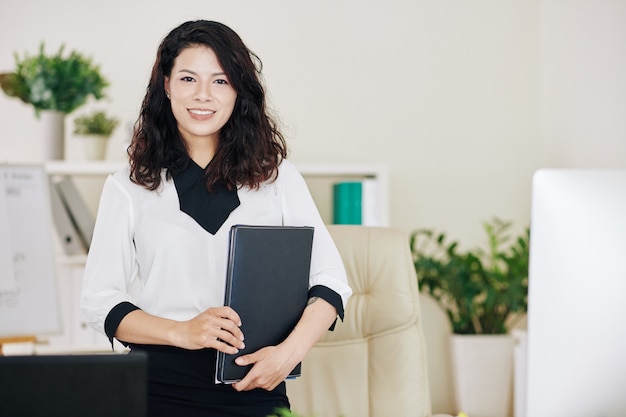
column 95, row 146
column 53, row 134
column 519, row 374
column 483, row 374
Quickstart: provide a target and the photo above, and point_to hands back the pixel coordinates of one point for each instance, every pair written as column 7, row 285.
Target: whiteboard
column 28, row 292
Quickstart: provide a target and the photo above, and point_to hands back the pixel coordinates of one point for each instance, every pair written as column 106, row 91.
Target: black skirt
column 182, row 383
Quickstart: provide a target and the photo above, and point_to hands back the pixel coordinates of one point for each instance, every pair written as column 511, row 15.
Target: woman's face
column 201, row 95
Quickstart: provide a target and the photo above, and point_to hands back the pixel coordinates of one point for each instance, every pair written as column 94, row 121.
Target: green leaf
column 54, row 82
column 479, row 290
column 95, row 123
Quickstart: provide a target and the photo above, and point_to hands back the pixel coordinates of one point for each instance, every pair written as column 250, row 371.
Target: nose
column 203, row 91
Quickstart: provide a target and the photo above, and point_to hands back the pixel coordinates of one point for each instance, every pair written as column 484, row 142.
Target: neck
column 201, row 152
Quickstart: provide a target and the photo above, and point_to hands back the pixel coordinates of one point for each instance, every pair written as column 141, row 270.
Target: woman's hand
column 216, row 327
column 271, row 365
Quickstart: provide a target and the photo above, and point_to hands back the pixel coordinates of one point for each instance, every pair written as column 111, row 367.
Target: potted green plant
column 483, row 292
column 55, row 85
column 480, row 290
column 54, row 82
column 96, row 128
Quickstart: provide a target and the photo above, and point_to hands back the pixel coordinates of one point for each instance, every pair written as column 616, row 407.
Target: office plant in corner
column 55, row 85
column 483, row 292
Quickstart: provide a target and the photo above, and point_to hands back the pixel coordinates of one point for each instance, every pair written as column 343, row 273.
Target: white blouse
column 148, row 252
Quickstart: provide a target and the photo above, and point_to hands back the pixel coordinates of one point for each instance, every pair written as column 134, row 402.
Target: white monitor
column 577, row 294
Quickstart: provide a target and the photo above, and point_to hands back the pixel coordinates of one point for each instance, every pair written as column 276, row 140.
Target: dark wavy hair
column 250, row 145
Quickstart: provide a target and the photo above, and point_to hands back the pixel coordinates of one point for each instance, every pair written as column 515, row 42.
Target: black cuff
column 330, row 297
column 114, row 318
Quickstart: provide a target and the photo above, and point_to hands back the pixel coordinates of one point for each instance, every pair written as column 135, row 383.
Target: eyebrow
column 195, row 73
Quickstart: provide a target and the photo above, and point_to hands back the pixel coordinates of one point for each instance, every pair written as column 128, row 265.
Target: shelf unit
column 319, row 177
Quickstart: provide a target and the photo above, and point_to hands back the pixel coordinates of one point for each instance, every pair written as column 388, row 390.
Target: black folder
column 267, row 285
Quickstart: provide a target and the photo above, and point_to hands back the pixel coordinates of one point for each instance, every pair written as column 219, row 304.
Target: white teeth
column 201, row 112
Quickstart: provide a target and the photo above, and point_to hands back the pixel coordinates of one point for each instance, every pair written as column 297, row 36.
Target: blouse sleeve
column 111, row 265
column 327, row 269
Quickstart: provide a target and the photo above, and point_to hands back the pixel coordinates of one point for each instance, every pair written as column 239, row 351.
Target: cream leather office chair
column 374, row 363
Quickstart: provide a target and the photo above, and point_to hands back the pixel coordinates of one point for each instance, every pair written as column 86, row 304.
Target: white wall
column 583, row 68
column 445, row 92
column 463, row 99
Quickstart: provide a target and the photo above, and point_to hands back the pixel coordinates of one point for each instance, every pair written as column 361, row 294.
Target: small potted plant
column 95, row 128
column 483, row 292
column 55, row 85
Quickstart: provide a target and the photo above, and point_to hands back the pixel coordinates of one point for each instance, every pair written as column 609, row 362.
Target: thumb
column 248, row 359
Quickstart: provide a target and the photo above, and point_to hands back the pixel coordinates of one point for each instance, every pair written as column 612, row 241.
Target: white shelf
column 306, row 169
column 341, row 169
column 329, row 170
column 95, row 168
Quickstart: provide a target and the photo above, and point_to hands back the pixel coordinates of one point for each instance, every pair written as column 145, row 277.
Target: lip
column 201, row 114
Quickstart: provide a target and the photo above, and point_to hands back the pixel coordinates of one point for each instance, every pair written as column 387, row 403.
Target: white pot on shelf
column 483, row 374
column 52, row 134
column 95, row 146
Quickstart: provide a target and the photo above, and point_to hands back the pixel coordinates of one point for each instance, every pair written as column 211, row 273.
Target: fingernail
column 242, row 346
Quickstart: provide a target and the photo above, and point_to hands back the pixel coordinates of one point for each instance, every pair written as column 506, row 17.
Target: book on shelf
column 79, row 213
column 356, row 202
column 267, row 285
column 69, row 238
column 347, row 202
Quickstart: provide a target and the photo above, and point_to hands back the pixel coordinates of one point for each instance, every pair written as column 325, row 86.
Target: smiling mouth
column 201, row 112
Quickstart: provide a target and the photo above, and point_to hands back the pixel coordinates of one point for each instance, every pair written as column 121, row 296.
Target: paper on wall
column 7, row 270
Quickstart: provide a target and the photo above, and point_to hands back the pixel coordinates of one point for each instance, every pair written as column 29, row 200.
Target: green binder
column 347, row 198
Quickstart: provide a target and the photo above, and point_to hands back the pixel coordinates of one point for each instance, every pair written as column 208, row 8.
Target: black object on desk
column 95, row 385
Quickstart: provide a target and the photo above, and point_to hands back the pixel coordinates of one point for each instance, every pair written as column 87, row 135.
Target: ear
column 166, row 85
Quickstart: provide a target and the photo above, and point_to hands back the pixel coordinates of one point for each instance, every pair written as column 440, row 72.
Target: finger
column 228, row 338
column 221, row 346
column 229, row 326
column 255, row 380
column 245, row 360
column 225, row 318
column 245, row 383
column 248, row 382
column 241, row 385
column 228, row 313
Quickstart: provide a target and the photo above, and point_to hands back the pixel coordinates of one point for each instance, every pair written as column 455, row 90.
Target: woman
column 204, row 155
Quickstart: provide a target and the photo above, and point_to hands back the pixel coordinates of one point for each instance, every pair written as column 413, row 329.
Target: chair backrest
column 374, row 363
